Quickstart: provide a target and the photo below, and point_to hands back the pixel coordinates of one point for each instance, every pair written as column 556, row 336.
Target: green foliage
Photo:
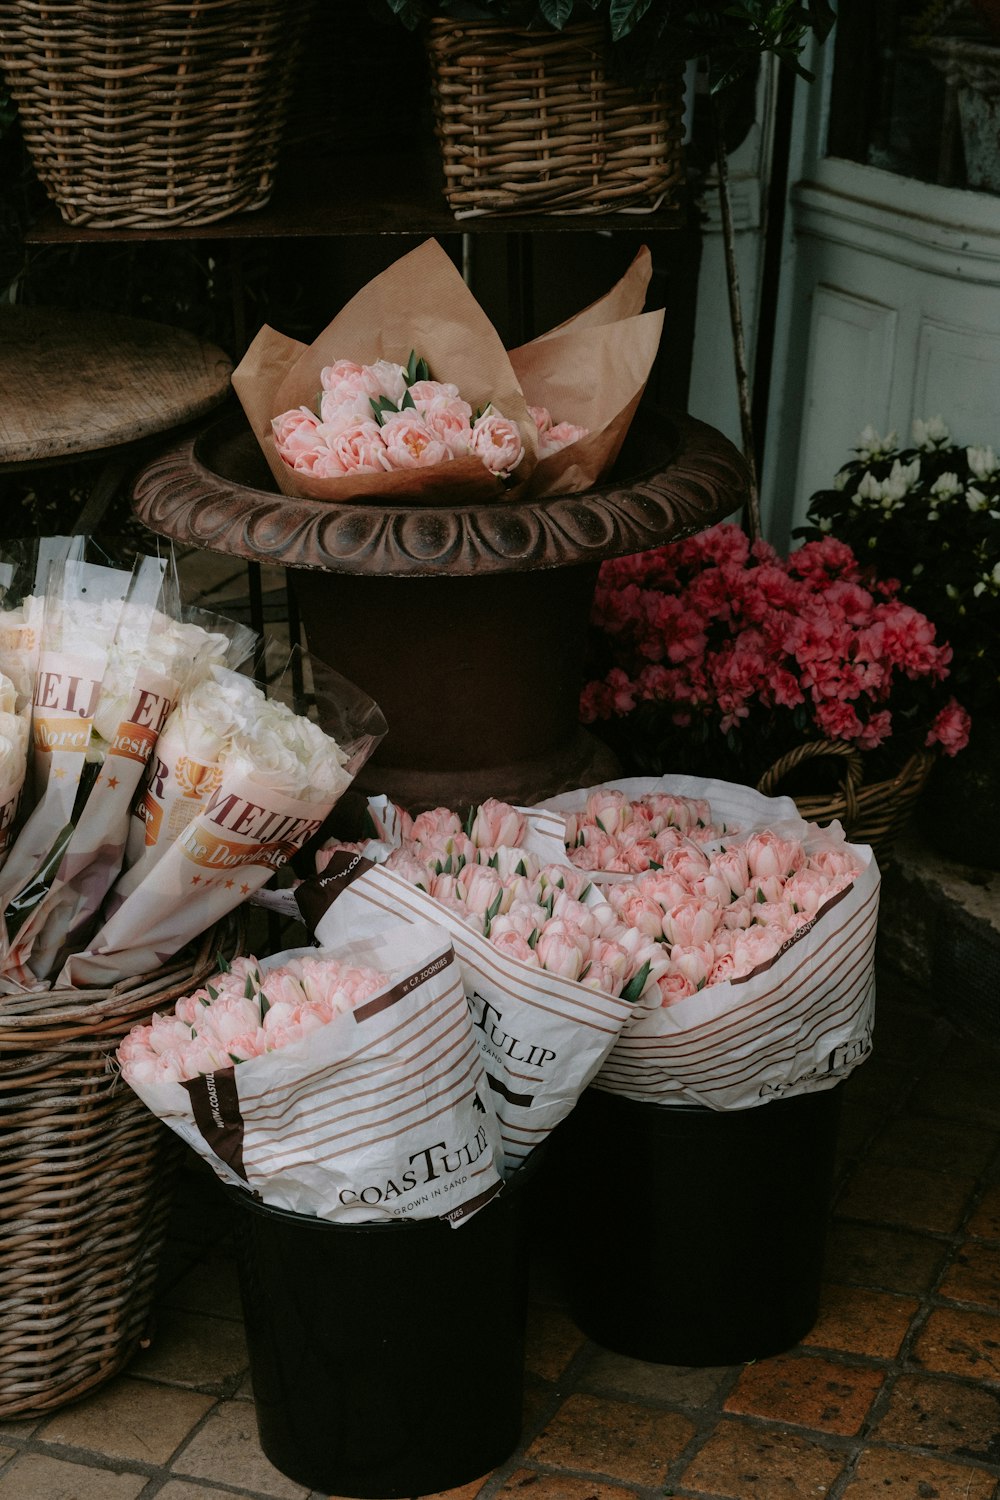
column 731, row 34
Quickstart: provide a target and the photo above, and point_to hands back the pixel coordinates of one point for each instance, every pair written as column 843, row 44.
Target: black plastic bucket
column 387, row 1359
column 690, row 1236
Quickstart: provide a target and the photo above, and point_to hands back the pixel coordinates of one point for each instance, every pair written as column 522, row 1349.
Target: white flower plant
column 929, row 516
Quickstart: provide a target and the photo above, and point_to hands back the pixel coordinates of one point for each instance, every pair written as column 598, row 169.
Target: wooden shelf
column 343, row 194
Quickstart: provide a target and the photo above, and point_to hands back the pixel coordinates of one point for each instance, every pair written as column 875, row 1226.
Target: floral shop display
column 928, row 516
column 716, row 654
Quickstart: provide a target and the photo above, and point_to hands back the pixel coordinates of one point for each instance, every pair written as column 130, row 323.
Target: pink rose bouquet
column 372, row 419
column 717, row 656
column 342, row 420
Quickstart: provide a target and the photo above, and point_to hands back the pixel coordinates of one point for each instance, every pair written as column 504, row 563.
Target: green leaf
column 761, row 898
column 494, row 906
column 636, row 984
column 222, row 963
column 423, row 370
column 248, row 988
column 407, row 403
column 521, row 868
column 533, row 939
column 265, row 1004
column 411, row 367
column 556, row 12
column 212, row 994
column 624, row 14
column 585, row 970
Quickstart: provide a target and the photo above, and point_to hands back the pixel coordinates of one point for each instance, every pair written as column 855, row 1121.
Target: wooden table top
column 79, row 383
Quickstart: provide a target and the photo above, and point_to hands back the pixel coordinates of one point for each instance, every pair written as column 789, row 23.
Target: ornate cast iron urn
column 467, row 624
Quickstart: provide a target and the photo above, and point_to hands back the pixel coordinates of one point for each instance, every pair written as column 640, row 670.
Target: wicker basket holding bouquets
column 716, row 656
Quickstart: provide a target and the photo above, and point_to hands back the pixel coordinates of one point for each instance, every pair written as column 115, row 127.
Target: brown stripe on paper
column 404, row 987
column 315, row 897
column 216, row 1107
column 524, row 1101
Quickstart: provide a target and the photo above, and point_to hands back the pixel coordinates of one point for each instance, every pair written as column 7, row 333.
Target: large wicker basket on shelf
column 871, row 812
column 85, row 1186
column 533, row 122
column 151, row 115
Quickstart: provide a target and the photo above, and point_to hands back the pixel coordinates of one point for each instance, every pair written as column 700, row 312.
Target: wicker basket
column 874, row 813
column 151, row 115
column 530, row 122
column 85, row 1187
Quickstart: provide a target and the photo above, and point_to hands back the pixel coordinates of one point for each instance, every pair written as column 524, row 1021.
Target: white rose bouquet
column 149, row 656
column 262, row 779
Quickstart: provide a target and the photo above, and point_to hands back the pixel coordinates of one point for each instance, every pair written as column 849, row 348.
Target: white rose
column 13, row 749
column 208, row 715
column 292, row 754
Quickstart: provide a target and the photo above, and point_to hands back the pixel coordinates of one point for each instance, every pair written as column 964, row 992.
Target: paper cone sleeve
column 419, row 303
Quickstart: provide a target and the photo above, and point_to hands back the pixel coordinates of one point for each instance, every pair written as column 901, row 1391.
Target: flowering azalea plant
column 717, row 656
column 929, row 516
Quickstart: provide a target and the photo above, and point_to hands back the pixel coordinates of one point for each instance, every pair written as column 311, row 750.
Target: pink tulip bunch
column 615, row 833
column 696, row 917
column 243, row 1013
column 371, row 419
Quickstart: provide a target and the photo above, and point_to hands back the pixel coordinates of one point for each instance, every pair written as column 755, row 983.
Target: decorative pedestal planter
column 466, row 623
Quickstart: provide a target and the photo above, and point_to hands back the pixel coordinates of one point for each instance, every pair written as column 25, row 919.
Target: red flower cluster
column 729, row 635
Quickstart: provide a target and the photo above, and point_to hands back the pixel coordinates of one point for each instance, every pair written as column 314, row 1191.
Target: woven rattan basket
column 531, row 122
column 874, row 812
column 151, row 115
column 85, row 1187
